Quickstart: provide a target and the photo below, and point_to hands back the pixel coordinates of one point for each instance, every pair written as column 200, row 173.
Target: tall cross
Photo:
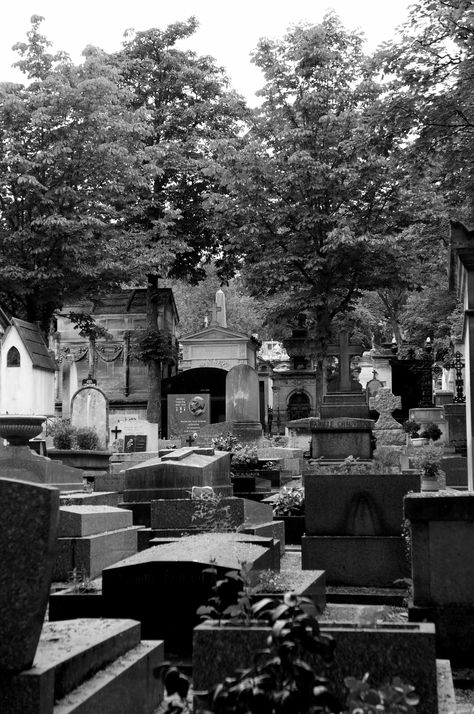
column 345, row 351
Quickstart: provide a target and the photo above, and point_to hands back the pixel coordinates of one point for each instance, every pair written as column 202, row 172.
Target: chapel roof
column 35, row 345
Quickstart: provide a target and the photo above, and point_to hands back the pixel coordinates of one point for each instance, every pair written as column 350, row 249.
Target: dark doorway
column 202, row 380
column 406, row 383
column 299, row 406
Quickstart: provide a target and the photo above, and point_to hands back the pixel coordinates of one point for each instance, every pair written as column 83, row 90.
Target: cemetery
column 237, row 377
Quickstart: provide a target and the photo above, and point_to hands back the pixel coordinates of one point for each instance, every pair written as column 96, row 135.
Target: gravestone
column 387, row 430
column 242, row 402
column 173, row 476
column 29, row 516
column 163, row 586
column 89, row 408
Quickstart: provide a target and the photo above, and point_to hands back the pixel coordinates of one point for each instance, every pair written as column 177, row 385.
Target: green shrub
column 87, row 438
column 63, row 434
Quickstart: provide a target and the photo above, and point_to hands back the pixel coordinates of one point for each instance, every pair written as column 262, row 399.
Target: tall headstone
column 89, row 408
column 29, row 516
column 242, row 402
column 345, row 351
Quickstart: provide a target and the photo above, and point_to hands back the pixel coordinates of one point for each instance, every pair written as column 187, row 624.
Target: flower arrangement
column 289, row 502
column 226, row 442
column 245, row 456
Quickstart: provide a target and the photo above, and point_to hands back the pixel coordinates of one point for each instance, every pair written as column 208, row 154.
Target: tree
column 429, row 105
column 189, row 105
column 244, row 313
column 313, row 210
column 70, row 161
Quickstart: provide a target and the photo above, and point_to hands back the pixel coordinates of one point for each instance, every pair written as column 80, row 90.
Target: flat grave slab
column 84, row 520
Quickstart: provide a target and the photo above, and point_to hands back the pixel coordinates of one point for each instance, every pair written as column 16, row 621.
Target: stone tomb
column 91, row 538
column 173, row 476
column 175, row 517
column 87, row 665
column 339, row 438
column 353, row 527
column 164, row 585
column 73, row 666
column 20, row 462
column 442, row 541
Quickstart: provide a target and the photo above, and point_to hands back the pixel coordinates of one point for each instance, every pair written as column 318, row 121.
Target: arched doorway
column 299, row 406
column 201, row 380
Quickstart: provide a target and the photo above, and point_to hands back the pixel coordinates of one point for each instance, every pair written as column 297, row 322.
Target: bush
column 63, row 434
column 87, row 438
column 431, row 431
column 412, row 428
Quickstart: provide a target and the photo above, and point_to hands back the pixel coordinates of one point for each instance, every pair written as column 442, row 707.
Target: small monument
column 89, row 408
column 242, row 407
column 387, row 430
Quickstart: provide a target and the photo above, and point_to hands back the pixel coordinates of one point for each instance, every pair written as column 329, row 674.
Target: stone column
column 462, row 278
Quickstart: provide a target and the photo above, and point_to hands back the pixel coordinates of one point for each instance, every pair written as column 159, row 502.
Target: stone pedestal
column 339, row 438
column 442, row 542
column 345, row 405
column 455, row 415
column 353, row 527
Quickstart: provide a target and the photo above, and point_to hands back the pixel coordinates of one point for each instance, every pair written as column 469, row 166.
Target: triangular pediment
column 213, row 334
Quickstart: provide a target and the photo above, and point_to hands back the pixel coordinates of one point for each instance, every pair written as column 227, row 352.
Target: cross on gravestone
column 116, row 432
column 190, row 440
column 344, row 351
column 385, row 403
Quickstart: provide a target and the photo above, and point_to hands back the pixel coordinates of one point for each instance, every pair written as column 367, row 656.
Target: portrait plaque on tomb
column 134, row 442
column 188, row 413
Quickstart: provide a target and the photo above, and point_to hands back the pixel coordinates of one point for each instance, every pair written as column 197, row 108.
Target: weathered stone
column 164, row 585
column 89, row 520
column 29, row 515
column 89, row 408
column 19, row 462
column 339, row 438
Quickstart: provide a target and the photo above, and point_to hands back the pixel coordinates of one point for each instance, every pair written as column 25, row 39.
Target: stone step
column 130, row 684
column 91, row 554
column 69, row 652
column 77, row 521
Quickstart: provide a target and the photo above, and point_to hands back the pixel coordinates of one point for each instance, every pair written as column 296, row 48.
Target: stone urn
column 18, row 429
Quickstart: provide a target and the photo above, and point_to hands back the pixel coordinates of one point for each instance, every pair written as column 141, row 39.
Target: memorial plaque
column 187, row 413
column 134, row 442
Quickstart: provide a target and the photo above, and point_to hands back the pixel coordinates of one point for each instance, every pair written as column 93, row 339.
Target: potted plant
column 77, row 446
column 288, row 507
column 431, row 432
column 428, row 462
column 412, row 428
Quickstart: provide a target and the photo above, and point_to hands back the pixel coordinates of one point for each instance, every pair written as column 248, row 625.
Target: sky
column 228, row 31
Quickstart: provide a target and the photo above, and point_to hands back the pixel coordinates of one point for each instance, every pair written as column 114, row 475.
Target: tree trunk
column 153, row 412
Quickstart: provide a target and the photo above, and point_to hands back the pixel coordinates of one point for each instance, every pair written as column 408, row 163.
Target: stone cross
column 345, row 351
column 385, row 403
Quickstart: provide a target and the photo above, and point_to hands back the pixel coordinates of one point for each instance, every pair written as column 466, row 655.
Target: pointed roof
column 35, row 344
column 215, row 332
